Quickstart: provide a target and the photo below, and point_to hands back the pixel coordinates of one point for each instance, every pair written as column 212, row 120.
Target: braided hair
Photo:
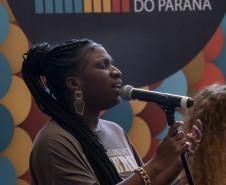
column 44, row 70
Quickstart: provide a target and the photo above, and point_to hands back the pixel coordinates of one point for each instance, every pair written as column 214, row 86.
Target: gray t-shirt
column 57, row 157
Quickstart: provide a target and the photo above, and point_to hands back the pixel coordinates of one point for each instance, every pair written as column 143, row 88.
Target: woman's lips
column 117, row 87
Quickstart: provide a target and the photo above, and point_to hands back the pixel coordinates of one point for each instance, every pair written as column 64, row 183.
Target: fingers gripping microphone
column 130, row 93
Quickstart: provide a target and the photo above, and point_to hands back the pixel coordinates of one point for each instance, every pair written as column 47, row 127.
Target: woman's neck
column 91, row 120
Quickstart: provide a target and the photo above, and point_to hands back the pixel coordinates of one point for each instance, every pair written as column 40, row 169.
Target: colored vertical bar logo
column 81, row 6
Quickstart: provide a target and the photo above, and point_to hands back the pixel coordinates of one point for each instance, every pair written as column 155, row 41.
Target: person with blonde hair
column 208, row 165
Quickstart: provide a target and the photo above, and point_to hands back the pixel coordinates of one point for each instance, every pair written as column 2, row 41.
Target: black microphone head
column 190, row 102
column 125, row 92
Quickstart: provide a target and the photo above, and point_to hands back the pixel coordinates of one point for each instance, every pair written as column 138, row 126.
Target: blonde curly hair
column 208, row 165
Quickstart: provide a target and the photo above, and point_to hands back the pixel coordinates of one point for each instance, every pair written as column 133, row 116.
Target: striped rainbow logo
column 81, row 6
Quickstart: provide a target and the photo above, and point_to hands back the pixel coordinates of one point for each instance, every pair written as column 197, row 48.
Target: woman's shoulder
column 51, row 130
column 52, row 135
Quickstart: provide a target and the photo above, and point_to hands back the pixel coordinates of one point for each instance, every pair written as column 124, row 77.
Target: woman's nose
column 116, row 73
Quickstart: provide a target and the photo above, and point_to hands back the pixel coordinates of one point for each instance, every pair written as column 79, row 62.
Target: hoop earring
column 79, row 104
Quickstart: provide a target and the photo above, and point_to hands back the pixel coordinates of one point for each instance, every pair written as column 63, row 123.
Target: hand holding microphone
column 168, row 102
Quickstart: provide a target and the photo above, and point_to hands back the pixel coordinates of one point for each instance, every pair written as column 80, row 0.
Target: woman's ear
column 72, row 84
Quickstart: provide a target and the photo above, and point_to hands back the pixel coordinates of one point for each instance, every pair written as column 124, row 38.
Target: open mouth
column 117, row 87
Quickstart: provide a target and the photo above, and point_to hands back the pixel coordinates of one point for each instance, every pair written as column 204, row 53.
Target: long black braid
column 44, row 70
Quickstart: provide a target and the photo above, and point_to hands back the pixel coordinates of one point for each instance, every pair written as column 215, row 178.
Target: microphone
column 130, row 93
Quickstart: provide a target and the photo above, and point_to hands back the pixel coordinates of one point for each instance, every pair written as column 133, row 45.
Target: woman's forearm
column 168, row 176
column 152, row 169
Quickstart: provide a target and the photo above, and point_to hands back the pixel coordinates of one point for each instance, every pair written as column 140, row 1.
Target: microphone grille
column 190, row 102
column 125, row 92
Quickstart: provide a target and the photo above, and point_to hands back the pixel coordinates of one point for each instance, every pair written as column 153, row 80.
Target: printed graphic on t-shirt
column 123, row 160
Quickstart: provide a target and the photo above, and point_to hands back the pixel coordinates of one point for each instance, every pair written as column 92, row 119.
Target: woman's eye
column 103, row 65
